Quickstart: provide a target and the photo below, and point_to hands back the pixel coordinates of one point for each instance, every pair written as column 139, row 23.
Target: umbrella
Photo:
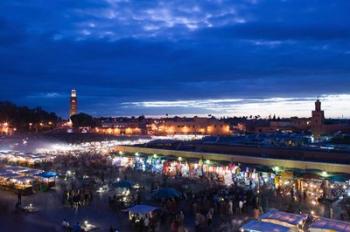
column 124, row 184
column 166, row 193
column 141, row 209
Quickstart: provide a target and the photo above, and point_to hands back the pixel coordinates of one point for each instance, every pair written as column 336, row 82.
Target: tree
column 21, row 117
column 83, row 120
column 141, row 118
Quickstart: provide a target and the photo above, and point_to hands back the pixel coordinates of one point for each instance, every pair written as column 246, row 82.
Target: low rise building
column 194, row 125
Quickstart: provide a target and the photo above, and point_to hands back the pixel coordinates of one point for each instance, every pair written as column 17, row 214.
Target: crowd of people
column 204, row 204
column 77, row 198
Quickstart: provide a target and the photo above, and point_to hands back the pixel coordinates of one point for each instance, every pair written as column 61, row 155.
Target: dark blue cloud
column 117, row 51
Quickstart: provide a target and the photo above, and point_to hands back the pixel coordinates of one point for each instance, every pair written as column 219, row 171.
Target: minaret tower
column 317, row 120
column 317, row 114
column 73, row 103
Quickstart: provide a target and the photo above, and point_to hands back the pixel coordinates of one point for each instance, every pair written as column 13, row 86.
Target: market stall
column 23, row 184
column 48, row 178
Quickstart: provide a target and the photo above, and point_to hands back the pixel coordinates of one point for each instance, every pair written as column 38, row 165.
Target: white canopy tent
column 259, row 226
column 329, row 225
column 141, row 209
column 290, row 220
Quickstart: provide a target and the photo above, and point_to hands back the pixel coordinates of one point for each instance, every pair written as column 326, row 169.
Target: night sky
column 133, row 57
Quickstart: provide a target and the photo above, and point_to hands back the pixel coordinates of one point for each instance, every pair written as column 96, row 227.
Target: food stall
column 48, row 178
column 23, row 184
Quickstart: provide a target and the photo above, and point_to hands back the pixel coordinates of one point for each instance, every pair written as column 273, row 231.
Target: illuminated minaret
column 73, row 103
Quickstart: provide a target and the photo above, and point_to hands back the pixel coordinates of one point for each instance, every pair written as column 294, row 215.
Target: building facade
column 183, row 126
column 166, row 126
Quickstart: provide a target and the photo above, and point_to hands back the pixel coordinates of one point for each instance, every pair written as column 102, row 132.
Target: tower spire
column 73, row 103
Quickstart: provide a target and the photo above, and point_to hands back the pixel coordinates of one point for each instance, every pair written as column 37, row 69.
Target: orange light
column 227, row 129
column 209, row 129
column 185, row 129
column 153, row 127
column 128, row 131
column 170, row 130
column 116, row 131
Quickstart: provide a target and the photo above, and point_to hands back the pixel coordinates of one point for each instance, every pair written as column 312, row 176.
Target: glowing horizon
column 333, row 105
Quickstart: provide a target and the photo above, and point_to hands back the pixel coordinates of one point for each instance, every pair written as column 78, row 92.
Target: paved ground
column 52, row 212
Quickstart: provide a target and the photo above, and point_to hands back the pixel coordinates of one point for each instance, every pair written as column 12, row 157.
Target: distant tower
column 73, row 103
column 317, row 119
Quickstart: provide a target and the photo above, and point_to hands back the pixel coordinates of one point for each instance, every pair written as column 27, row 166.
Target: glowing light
column 185, row 130
column 324, row 174
column 128, row 131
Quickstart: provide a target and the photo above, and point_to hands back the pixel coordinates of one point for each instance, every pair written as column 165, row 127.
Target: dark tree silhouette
column 24, row 118
column 83, row 120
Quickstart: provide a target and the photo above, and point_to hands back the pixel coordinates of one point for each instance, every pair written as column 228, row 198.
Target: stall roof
column 290, row 218
column 48, row 174
column 258, row 226
column 15, row 168
column 22, row 178
column 7, row 174
column 329, row 224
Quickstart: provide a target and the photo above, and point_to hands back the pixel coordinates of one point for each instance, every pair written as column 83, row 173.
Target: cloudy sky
column 132, row 57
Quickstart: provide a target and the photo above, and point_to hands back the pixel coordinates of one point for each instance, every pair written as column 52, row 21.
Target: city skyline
column 225, row 58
